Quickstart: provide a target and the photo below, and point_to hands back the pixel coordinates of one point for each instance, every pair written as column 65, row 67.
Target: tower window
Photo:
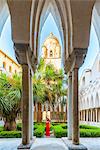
column 15, row 71
column 4, row 65
column 10, row 69
column 51, row 53
column 83, row 81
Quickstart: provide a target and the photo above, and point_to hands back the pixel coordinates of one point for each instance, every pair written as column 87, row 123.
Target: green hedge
column 88, row 127
column 35, row 125
column 19, row 126
column 55, row 124
column 85, row 131
column 51, row 127
column 10, row 134
column 64, row 125
column 39, row 132
column 89, row 132
column 60, row 132
column 1, row 128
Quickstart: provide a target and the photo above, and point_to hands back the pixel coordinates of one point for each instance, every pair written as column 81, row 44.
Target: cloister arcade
column 73, row 19
column 89, row 94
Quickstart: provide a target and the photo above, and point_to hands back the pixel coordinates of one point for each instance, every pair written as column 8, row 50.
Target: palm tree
column 47, row 85
column 39, row 88
column 10, row 99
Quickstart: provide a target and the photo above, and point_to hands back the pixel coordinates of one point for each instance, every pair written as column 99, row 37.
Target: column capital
column 78, row 57
column 21, row 52
column 75, row 59
column 25, row 55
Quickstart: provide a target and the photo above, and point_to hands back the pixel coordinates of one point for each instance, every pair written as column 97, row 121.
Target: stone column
column 25, row 104
column 91, row 116
column 81, row 115
column 31, row 107
column 23, row 55
column 75, row 133
column 73, row 63
column 84, row 116
column 96, row 111
column 69, row 107
column 98, row 115
column 87, row 115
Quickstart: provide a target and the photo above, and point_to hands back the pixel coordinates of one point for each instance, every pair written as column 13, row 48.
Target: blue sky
column 6, row 43
column 49, row 26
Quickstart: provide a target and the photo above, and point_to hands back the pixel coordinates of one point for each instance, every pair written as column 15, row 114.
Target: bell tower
column 51, row 51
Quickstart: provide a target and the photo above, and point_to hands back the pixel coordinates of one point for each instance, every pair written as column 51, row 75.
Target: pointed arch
column 62, row 17
column 51, row 7
column 87, row 102
column 92, row 103
column 4, row 13
column 97, row 100
column 96, row 19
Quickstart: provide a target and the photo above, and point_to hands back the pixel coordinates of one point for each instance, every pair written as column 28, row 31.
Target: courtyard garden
column 48, row 85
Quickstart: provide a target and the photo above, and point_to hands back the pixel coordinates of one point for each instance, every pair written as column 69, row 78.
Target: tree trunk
column 39, row 116
column 9, row 125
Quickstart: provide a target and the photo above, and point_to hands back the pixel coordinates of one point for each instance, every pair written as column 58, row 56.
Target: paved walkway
column 90, row 143
column 49, row 143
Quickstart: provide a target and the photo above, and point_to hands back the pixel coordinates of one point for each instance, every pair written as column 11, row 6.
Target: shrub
column 51, row 127
column 89, row 132
column 39, row 132
column 64, row 125
column 59, row 132
column 10, row 134
column 55, row 124
column 19, row 126
column 1, row 128
column 88, row 127
column 35, row 126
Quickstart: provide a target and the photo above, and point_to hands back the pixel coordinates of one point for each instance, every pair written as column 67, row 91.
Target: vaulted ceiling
column 72, row 17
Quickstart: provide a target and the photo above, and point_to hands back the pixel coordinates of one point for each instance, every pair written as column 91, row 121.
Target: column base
column 25, row 147
column 72, row 146
column 76, row 147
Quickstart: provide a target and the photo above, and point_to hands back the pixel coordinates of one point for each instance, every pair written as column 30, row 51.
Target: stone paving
column 49, row 143
column 90, row 143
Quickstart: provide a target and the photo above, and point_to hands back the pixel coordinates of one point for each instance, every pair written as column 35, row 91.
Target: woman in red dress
column 47, row 127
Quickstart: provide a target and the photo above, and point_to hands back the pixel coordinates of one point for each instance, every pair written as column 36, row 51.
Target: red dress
column 47, row 128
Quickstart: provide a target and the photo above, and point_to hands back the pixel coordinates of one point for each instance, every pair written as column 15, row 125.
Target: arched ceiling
column 4, row 13
column 81, row 22
column 20, row 12
column 51, row 7
column 58, row 11
column 96, row 19
column 73, row 19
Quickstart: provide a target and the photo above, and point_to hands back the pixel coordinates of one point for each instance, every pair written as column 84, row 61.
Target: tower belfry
column 51, row 51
